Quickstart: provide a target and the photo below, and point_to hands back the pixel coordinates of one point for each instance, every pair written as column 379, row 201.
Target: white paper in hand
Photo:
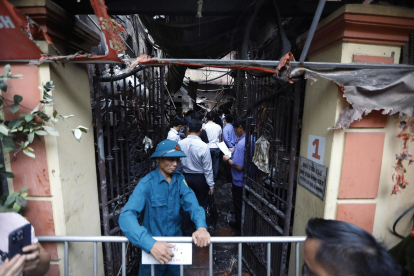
column 224, row 149
column 183, row 254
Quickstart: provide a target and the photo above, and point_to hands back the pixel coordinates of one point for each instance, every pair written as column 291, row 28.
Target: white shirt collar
column 193, row 137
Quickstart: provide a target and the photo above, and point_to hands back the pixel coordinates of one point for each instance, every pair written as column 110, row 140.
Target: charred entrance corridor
column 124, row 72
column 133, row 115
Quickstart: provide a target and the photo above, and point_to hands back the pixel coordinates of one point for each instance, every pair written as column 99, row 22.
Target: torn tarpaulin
column 390, row 90
column 347, row 117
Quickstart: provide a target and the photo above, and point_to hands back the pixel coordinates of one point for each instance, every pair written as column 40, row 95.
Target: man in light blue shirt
column 229, row 137
column 158, row 199
column 197, row 169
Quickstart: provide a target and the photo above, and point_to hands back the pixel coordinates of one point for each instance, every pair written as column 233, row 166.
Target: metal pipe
column 123, row 259
column 265, row 202
column 297, row 259
column 275, row 63
column 121, row 138
column 245, row 63
column 312, row 30
column 124, row 240
column 95, row 259
column 66, row 258
column 210, row 259
column 101, row 162
column 352, row 65
column 181, row 270
column 292, row 157
column 266, row 218
column 162, row 94
column 119, row 239
column 292, row 162
column 239, row 265
column 269, row 247
column 115, row 149
column 169, row 94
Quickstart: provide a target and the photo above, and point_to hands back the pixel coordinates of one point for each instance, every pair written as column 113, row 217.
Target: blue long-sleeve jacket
column 229, row 137
column 159, row 203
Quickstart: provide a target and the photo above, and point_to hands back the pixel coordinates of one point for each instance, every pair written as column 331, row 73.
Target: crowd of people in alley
column 199, row 135
column 171, row 201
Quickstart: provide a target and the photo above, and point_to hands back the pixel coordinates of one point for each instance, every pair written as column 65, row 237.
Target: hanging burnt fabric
column 147, row 143
column 389, row 90
column 261, row 154
column 211, row 214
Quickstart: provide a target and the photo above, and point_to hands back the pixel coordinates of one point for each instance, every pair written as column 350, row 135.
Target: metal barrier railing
column 239, row 240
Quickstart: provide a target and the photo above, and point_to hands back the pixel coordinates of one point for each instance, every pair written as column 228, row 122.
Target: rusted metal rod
column 246, row 63
column 312, row 30
column 102, row 169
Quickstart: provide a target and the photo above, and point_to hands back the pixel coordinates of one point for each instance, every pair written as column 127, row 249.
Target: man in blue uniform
column 158, row 199
column 236, row 161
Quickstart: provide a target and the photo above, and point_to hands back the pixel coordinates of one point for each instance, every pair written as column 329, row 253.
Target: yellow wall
column 77, row 163
column 71, row 164
column 322, row 107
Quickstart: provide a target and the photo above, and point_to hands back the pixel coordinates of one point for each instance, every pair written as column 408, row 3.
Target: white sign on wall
column 183, row 254
column 312, row 176
column 316, row 148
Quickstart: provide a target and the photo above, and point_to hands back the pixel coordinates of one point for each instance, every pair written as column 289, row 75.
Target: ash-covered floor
column 225, row 255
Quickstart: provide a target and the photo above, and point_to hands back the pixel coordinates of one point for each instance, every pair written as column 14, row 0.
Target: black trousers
column 237, row 202
column 227, row 171
column 197, row 182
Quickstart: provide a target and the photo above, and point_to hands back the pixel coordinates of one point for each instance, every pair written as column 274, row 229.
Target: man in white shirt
column 214, row 137
column 174, row 133
column 197, row 170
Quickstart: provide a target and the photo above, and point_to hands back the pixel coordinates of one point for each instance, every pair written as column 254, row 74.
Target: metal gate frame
column 270, row 201
column 128, row 108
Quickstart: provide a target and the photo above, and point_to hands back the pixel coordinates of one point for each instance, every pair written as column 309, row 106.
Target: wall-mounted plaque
column 312, row 176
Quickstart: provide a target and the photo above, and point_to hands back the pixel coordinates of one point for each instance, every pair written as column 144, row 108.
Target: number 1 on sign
column 316, row 148
column 315, row 154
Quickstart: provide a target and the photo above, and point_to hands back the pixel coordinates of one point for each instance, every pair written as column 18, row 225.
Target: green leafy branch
column 30, row 126
column 24, row 130
column 14, row 202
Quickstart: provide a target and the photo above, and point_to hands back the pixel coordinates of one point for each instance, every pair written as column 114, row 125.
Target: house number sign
column 316, row 149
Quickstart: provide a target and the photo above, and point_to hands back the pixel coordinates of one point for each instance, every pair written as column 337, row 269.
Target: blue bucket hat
column 168, row 148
